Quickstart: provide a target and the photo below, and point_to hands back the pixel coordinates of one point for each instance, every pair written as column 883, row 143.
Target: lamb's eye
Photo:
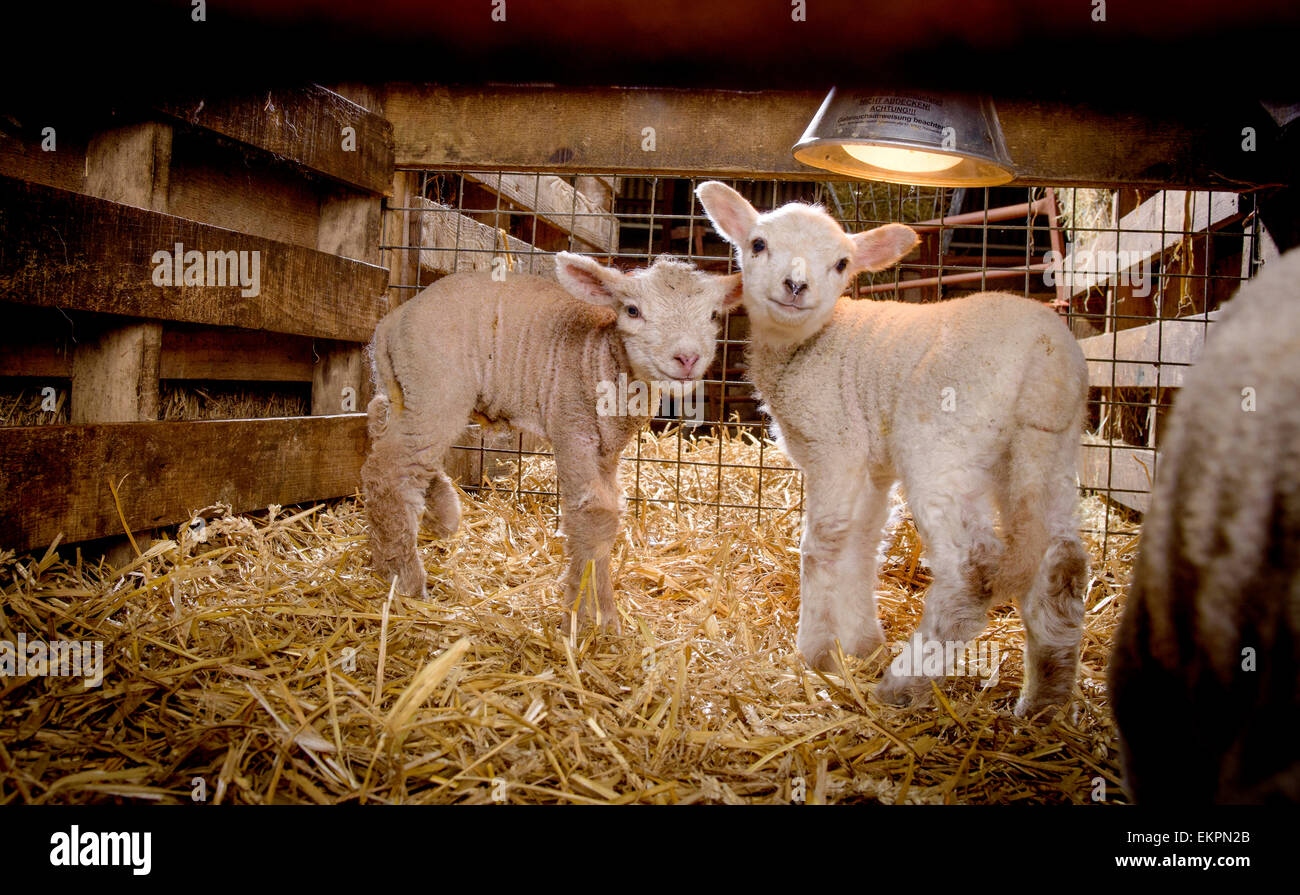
column 758, row 246
column 633, row 311
column 843, row 263
column 714, row 318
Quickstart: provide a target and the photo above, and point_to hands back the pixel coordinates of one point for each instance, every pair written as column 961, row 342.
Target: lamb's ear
column 732, row 216
column 584, row 278
column 882, row 247
column 733, row 290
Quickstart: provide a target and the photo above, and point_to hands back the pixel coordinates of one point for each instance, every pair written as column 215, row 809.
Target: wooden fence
column 137, row 226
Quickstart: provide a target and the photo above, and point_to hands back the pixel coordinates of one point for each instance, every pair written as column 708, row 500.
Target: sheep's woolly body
column 525, row 352
column 1211, row 628
column 530, row 353
column 975, row 405
column 891, row 362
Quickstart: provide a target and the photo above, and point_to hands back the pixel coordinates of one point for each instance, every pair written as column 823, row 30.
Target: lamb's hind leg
column 954, row 517
column 1044, row 538
column 406, row 452
column 442, row 514
column 837, row 568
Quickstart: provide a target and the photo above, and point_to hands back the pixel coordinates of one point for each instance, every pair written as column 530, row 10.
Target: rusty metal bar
column 947, row 279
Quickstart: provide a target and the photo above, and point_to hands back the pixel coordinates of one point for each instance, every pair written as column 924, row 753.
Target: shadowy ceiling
column 1175, row 49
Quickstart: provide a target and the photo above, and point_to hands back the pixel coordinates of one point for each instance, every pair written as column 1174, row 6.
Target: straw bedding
column 25, row 404
column 260, row 655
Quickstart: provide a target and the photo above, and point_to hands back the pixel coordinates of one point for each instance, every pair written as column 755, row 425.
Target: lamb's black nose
column 794, row 288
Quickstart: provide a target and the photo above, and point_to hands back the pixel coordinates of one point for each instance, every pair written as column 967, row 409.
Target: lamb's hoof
column 820, row 658
column 825, row 657
column 440, row 528
column 907, row 692
column 1032, row 708
column 404, row 586
column 866, row 647
column 412, row 581
column 571, row 621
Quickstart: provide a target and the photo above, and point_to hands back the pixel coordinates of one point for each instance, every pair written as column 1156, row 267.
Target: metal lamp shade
column 931, row 139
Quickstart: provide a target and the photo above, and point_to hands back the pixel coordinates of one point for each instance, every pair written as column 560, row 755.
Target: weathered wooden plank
column 1146, row 232
column 1122, row 473
column 590, row 130
column 234, row 354
column 459, row 242
column 61, row 249
column 401, row 231
column 662, row 131
column 38, row 359
column 115, row 372
column 115, row 375
column 306, row 125
column 57, row 476
column 339, row 378
column 349, row 226
column 56, row 158
column 368, row 96
column 1268, row 250
column 1052, row 143
column 557, row 203
column 37, row 342
column 600, row 189
column 186, row 353
column 131, row 164
column 220, row 184
column 191, row 176
column 1147, row 356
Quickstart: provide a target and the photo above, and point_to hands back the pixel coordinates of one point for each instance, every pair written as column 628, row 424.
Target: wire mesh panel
column 1145, row 275
column 1138, row 276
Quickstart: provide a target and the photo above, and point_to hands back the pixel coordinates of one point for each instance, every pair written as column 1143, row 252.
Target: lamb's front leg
column 590, row 498
column 837, row 566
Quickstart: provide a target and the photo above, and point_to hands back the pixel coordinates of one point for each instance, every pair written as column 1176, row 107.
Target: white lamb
column 1205, row 672
column 528, row 353
column 974, row 404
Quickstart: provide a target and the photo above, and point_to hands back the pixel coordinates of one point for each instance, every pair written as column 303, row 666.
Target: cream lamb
column 1205, row 672
column 974, row 404
column 532, row 353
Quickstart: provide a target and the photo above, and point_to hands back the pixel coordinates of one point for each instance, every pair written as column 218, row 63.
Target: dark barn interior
column 180, row 461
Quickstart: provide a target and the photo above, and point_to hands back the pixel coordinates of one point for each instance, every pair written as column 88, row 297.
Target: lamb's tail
column 1054, row 390
column 388, row 391
column 377, row 416
column 381, row 364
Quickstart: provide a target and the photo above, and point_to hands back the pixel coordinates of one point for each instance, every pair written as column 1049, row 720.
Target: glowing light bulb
column 911, row 161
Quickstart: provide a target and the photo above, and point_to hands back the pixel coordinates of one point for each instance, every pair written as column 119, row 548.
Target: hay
column 22, row 404
column 26, row 403
column 259, row 654
column 181, row 400
column 1085, row 211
